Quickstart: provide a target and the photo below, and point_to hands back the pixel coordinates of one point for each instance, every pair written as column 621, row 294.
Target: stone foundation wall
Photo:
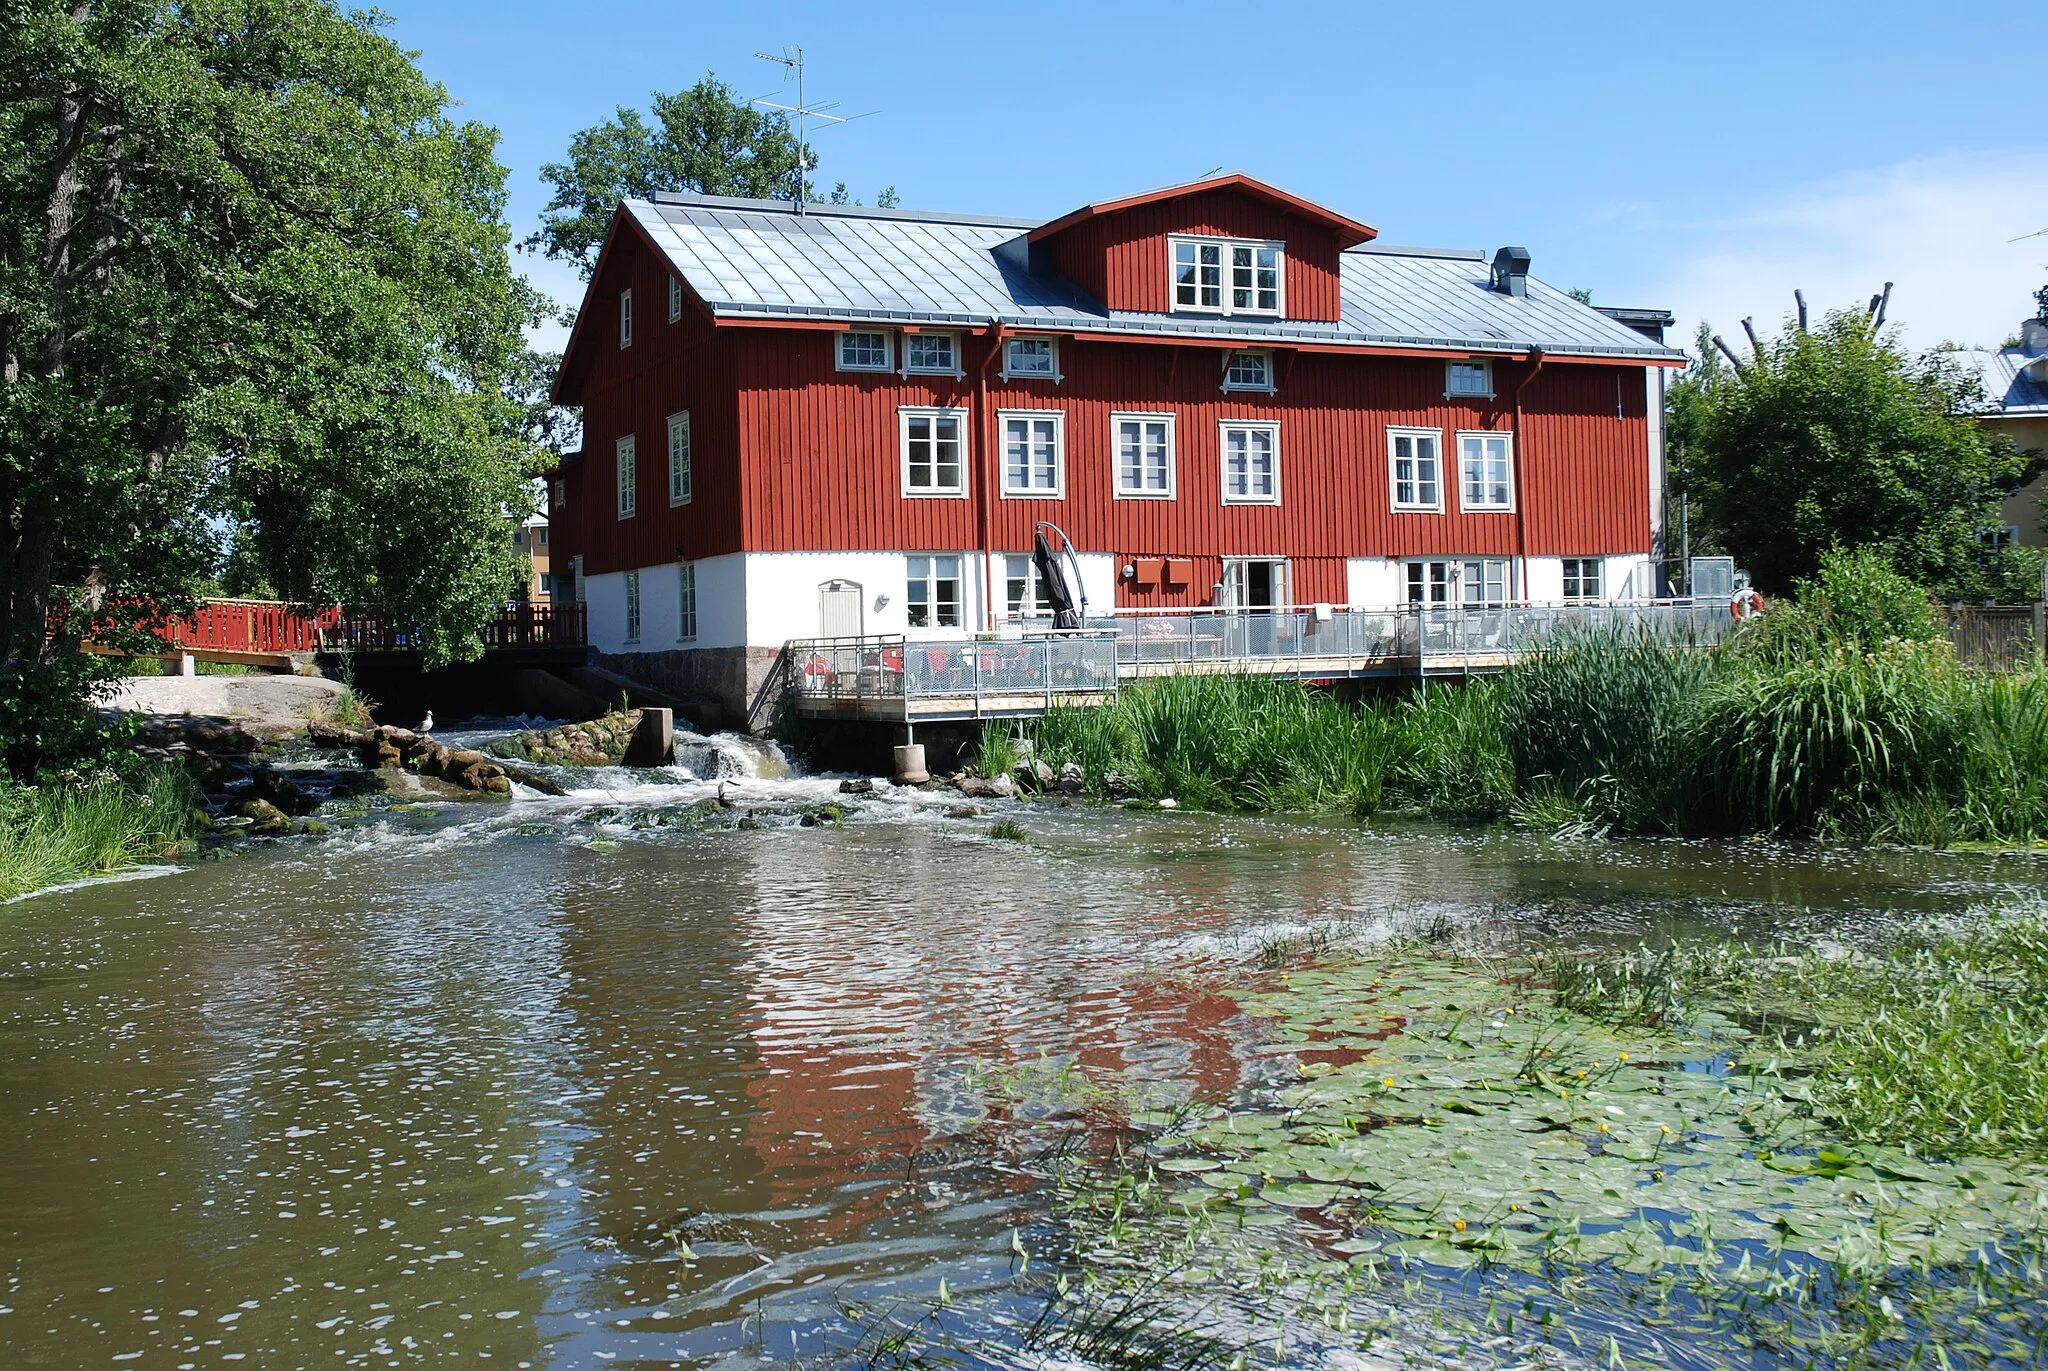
column 730, row 679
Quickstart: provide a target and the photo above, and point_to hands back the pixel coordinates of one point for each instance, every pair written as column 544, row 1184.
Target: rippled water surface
column 538, row 1083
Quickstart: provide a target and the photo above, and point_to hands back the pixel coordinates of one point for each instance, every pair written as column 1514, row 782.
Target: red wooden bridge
column 269, row 633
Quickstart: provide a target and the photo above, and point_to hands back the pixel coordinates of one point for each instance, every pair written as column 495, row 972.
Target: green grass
column 78, row 827
column 996, row 754
column 1008, row 830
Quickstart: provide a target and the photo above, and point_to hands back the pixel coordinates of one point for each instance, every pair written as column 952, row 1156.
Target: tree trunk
column 28, row 608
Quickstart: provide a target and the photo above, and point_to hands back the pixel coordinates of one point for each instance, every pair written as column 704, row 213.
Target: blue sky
column 1703, row 158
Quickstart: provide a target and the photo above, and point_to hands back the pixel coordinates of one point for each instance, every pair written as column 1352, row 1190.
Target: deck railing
column 525, row 625
column 1313, row 643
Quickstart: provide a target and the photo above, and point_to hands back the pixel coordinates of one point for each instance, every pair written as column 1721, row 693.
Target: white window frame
column 1058, row 490
column 1223, row 428
column 1033, row 605
column 839, row 341
column 1454, row 582
column 1451, row 391
column 625, row 318
column 1436, row 437
column 558, row 494
column 633, row 624
column 904, row 415
column 1237, row 584
column 1566, row 575
column 931, row 577
column 675, row 297
column 626, row 456
column 679, row 491
column 1117, row 420
column 686, row 603
column 909, row 341
column 1226, row 267
column 1053, row 347
column 1272, row 382
column 1486, row 507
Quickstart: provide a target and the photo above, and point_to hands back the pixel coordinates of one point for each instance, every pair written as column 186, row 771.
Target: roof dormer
column 1225, row 246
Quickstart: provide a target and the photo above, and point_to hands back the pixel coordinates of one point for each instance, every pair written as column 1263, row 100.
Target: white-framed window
column 863, row 350
column 933, row 463
column 1474, row 582
column 1031, row 359
column 932, row 353
column 1144, row 456
column 540, row 535
column 1034, row 452
column 686, row 602
column 1468, row 379
column 625, row 318
column 547, row 583
column 1582, row 578
column 675, row 298
column 1486, row 471
column 931, row 589
column 1251, row 463
column 629, row 477
column 1228, row 275
column 1023, row 589
column 679, row 458
column 558, row 496
column 1415, row 468
column 1249, row 371
column 632, row 606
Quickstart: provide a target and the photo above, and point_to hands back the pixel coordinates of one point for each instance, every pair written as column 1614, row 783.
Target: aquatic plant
column 74, row 826
column 996, row 753
column 1007, row 830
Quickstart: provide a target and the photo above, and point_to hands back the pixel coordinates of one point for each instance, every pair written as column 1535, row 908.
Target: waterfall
column 730, row 755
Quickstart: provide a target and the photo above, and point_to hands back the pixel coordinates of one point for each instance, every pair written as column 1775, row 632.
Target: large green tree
column 254, row 279
column 1833, row 437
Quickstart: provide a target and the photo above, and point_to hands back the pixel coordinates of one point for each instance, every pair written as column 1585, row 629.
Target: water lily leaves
column 1187, row 1164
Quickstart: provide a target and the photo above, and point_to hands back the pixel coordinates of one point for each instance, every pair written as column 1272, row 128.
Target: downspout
column 991, row 472
column 1521, row 461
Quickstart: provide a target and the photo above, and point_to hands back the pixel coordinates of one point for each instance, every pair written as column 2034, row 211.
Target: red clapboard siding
column 819, row 458
column 670, row 367
column 1122, row 259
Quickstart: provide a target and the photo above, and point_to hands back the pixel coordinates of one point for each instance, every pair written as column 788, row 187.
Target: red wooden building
column 848, row 421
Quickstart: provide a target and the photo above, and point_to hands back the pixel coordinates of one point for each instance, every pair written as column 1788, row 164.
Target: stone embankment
column 599, row 742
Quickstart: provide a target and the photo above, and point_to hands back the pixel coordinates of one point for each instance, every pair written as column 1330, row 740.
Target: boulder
column 1072, row 780
column 860, row 785
column 1118, row 786
column 279, row 792
column 323, row 734
column 218, row 735
column 264, row 817
column 1036, row 775
column 987, row 787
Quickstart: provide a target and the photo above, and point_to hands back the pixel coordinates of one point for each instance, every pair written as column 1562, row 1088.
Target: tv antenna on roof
column 793, row 58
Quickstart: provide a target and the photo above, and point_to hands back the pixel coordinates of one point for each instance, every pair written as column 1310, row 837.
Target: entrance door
column 1255, row 584
column 840, row 610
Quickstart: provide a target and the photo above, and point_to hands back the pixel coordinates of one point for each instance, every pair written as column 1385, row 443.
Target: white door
column 840, row 610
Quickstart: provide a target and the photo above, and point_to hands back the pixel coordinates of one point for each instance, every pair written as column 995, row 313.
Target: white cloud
column 1940, row 228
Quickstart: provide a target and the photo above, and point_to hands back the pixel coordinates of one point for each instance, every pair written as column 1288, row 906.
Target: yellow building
column 2016, row 404
column 530, row 540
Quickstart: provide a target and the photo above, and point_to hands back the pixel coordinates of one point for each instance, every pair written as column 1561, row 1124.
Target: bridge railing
column 527, row 625
column 249, row 626
column 893, row 667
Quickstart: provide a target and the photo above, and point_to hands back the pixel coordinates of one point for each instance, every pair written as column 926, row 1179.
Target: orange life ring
column 1746, row 605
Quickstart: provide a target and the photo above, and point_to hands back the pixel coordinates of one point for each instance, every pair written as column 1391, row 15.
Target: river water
column 598, row 1080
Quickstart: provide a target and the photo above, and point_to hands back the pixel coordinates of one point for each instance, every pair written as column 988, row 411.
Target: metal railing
column 1314, row 643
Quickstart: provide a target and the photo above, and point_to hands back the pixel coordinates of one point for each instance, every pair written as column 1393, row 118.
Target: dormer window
column 1025, row 358
column 932, row 353
column 1249, row 371
column 863, row 351
column 1227, row 275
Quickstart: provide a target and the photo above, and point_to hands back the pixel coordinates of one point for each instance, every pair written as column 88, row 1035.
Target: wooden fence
column 1996, row 637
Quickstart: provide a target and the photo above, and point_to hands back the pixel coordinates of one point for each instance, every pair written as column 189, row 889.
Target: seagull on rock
column 427, row 724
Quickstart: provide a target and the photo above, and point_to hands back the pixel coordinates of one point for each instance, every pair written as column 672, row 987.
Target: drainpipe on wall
column 990, row 474
column 1521, row 461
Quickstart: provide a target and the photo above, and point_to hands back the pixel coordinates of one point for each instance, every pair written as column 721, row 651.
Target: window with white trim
column 932, row 462
column 1034, row 452
column 1227, row 275
column 1469, row 379
column 1031, row 359
column 1251, row 463
column 558, row 496
column 675, row 299
column 625, row 318
column 931, row 353
column 863, row 351
column 1474, row 582
column 1023, row 589
column 1144, row 455
column 1415, row 468
column 1249, row 371
column 1582, row 578
column 632, row 606
column 686, row 602
column 629, row 477
column 931, row 596
column 1486, row 470
column 679, row 458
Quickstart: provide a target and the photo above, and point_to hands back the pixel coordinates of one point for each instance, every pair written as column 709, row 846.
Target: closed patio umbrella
column 1064, row 615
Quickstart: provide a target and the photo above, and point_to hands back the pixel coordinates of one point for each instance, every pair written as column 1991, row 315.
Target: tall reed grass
column 77, row 827
column 1843, row 714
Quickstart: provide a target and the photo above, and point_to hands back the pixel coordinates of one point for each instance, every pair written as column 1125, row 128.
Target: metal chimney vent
column 1511, row 271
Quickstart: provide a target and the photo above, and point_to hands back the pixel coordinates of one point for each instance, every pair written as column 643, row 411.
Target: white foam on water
column 133, row 873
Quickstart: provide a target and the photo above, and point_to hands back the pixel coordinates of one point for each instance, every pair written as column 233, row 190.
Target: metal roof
column 2014, row 388
column 759, row 259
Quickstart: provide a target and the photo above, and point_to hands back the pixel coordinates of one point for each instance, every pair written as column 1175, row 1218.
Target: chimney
column 1511, row 271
